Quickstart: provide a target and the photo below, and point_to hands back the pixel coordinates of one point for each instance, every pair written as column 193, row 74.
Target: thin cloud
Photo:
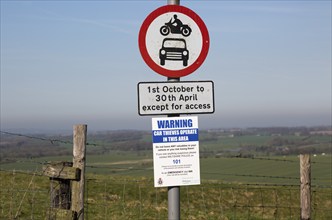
column 119, row 26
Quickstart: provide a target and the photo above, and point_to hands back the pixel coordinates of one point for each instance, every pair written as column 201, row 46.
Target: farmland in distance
column 242, row 155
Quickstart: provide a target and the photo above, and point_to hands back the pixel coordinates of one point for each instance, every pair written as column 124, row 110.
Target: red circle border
column 143, row 49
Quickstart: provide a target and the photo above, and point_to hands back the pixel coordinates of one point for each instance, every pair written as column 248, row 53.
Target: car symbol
column 174, row 49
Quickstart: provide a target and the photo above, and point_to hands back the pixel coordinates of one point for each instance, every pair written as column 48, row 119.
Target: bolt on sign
column 175, row 151
column 173, row 41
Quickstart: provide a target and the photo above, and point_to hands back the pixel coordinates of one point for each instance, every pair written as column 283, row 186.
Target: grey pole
column 173, row 191
column 173, row 202
column 173, row 2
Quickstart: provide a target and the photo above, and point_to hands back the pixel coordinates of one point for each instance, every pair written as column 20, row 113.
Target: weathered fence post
column 61, row 174
column 305, row 172
column 79, row 138
column 67, row 180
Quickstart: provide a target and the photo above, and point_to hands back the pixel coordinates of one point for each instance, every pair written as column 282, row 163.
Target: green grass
column 119, row 184
column 275, row 170
column 228, row 143
column 279, row 170
column 25, row 196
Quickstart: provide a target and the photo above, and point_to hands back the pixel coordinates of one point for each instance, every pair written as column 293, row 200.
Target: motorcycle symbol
column 175, row 27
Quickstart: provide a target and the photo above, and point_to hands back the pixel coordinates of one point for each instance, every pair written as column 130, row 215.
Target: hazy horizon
column 77, row 62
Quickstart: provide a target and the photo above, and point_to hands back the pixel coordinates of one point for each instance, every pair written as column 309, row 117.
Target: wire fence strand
column 27, row 194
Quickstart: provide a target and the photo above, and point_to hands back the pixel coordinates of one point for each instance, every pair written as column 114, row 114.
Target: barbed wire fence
column 26, row 195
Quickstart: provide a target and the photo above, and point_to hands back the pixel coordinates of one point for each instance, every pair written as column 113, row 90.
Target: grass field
column 277, row 169
column 27, row 196
column 119, row 184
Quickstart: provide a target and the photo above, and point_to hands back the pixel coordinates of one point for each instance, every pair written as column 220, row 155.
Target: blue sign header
column 175, row 135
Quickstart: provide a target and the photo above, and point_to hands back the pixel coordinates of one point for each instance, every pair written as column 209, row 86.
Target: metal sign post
column 173, row 191
column 174, row 41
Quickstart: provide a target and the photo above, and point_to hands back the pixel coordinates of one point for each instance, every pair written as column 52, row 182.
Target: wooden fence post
column 61, row 174
column 305, row 172
column 79, row 139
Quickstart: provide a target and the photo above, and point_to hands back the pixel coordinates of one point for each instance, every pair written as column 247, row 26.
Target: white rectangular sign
column 185, row 97
column 175, row 151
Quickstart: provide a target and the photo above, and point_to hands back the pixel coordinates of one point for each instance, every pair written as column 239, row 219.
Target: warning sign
column 175, row 151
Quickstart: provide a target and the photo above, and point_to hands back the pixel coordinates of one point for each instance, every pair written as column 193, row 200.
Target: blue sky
column 72, row 62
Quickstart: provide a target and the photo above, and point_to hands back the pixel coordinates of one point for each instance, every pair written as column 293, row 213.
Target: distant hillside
column 214, row 142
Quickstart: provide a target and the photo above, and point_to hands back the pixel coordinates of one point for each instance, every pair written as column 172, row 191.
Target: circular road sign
column 173, row 41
